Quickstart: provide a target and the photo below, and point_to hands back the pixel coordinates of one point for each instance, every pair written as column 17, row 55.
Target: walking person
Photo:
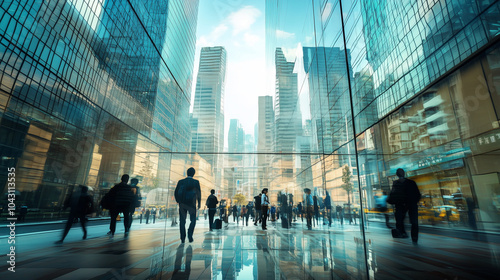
column 328, row 209
column 258, row 208
column 235, row 215
column 136, row 201
column 211, row 204
column 405, row 196
column 153, row 213
column 148, row 213
column 309, row 208
column 381, row 206
column 81, row 204
column 245, row 213
column 122, row 196
column 299, row 211
column 187, row 194
column 316, row 210
column 264, row 208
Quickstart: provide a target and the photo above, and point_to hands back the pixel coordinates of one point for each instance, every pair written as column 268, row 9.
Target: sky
column 239, row 26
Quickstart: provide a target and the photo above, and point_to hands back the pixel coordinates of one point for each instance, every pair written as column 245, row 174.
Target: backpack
column 398, row 193
column 258, row 202
column 184, row 195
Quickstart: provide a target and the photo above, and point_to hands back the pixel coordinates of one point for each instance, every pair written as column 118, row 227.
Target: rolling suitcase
column 217, row 224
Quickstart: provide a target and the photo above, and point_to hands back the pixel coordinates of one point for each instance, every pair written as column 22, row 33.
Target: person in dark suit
column 187, row 193
column 122, row 197
column 409, row 204
column 212, row 208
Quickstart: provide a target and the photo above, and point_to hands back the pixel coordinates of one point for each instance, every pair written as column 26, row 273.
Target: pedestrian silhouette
column 81, row 204
column 405, row 196
column 122, row 198
column 264, row 208
column 309, row 208
column 136, row 201
column 211, row 204
column 187, row 193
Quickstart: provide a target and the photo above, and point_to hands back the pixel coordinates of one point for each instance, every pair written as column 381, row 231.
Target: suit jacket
column 190, row 184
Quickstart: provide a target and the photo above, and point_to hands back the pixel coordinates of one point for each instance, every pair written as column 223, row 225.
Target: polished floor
column 154, row 251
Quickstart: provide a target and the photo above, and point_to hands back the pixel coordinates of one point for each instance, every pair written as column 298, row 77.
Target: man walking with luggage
column 211, row 204
column 187, row 193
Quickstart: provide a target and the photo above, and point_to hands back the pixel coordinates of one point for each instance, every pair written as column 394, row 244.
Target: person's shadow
column 178, row 274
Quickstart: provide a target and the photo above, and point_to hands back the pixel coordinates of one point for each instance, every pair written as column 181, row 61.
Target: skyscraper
column 288, row 119
column 209, row 105
column 265, row 139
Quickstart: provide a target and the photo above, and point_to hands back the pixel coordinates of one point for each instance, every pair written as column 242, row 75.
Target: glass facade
column 92, row 90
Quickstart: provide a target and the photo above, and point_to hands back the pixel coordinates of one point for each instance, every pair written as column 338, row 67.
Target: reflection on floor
column 238, row 252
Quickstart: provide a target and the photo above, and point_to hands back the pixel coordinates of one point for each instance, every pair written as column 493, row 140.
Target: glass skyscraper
column 91, row 91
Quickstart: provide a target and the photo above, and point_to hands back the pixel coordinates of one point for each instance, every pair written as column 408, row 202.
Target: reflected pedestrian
column 328, row 209
column 236, row 217
column 264, row 208
column 148, row 213
column 405, row 196
column 211, row 204
column 316, row 210
column 153, row 213
column 122, row 196
column 81, row 204
column 258, row 208
column 381, row 206
column 309, row 208
column 136, row 201
column 22, row 213
column 187, row 194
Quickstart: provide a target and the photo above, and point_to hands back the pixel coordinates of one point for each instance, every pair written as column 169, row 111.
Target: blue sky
column 239, row 26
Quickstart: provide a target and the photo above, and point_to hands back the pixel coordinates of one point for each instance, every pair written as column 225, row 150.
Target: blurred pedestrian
column 328, row 209
column 81, row 204
column 236, row 215
column 264, row 208
column 146, row 216
column 309, row 208
column 381, row 206
column 405, row 196
column 211, row 204
column 136, row 202
column 153, row 213
column 258, row 208
column 122, row 198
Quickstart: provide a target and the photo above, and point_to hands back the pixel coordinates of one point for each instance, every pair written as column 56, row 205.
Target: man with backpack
column 187, row 193
column 257, row 203
column 211, row 204
column 405, row 196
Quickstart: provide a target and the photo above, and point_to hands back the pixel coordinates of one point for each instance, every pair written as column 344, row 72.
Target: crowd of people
column 126, row 198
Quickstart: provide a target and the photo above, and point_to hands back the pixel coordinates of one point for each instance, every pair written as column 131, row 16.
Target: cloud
column 243, row 19
column 251, row 39
column 280, row 34
column 326, row 12
column 212, row 38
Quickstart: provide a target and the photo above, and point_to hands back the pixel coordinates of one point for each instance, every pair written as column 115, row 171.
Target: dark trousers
column 126, row 218
column 69, row 223
column 211, row 214
column 258, row 216
column 263, row 210
column 400, row 214
column 309, row 216
column 245, row 218
column 184, row 209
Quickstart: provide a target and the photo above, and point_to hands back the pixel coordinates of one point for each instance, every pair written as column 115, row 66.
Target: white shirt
column 264, row 200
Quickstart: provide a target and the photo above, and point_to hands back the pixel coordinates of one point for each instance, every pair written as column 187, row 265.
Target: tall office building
column 89, row 99
column 287, row 120
column 265, row 139
column 208, row 107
